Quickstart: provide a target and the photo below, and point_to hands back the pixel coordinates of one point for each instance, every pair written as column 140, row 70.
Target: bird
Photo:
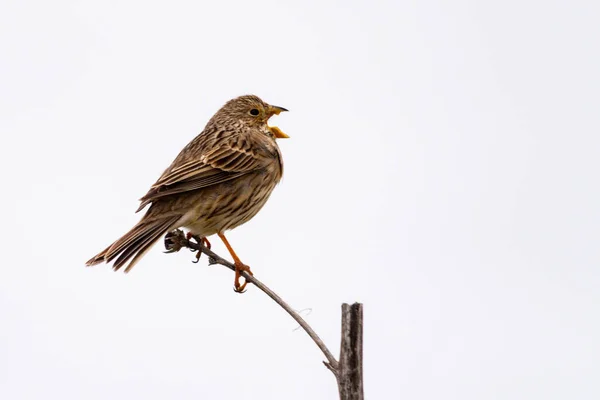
column 219, row 181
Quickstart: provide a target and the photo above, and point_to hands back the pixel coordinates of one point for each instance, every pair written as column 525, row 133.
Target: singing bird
column 219, row 181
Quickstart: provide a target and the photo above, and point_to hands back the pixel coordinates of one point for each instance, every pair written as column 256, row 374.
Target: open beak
column 275, row 110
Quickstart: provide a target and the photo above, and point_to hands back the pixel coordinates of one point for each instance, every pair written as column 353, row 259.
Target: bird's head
column 252, row 111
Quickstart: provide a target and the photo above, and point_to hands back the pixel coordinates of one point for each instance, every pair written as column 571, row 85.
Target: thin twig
column 181, row 241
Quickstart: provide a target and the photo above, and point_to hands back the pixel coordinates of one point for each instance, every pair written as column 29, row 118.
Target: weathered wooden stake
column 350, row 369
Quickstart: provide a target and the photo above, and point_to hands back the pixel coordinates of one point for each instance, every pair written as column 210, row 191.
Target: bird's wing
column 212, row 162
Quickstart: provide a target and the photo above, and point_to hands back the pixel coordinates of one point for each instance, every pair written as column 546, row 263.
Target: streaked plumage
column 220, row 180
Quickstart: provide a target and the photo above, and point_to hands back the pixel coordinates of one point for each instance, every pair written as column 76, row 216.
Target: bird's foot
column 206, row 243
column 200, row 240
column 239, row 268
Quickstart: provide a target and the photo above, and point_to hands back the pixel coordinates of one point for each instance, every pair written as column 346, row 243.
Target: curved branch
column 175, row 240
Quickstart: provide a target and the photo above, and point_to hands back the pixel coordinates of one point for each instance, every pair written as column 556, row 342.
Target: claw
column 239, row 268
column 199, row 240
column 198, row 255
column 240, row 290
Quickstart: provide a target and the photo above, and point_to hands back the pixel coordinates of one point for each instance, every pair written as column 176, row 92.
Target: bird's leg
column 239, row 266
column 200, row 240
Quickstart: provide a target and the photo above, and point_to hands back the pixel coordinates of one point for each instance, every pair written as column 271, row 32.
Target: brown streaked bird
column 219, row 181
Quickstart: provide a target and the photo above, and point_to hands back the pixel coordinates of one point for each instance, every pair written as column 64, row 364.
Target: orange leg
column 239, row 266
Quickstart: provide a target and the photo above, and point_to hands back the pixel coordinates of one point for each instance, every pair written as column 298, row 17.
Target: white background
column 442, row 169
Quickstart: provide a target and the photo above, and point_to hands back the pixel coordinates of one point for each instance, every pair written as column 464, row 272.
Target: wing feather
column 206, row 161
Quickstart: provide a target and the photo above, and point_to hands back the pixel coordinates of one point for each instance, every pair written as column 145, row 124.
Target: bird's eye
column 254, row 112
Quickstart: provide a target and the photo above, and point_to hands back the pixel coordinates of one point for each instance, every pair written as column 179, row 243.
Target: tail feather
column 134, row 243
column 127, row 240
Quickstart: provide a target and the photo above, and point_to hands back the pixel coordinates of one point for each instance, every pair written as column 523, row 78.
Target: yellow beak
column 278, row 133
column 275, row 110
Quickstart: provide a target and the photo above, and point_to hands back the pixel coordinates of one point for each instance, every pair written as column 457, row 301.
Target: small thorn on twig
column 331, row 368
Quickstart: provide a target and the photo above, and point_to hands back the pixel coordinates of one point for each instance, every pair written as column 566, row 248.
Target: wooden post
column 350, row 370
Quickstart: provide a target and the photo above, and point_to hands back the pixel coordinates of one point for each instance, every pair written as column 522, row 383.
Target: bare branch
column 176, row 240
